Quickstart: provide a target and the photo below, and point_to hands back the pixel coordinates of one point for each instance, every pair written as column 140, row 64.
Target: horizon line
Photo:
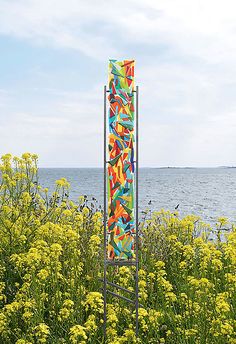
column 151, row 167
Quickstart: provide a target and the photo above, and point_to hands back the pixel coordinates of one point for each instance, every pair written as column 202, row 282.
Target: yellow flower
column 95, row 239
column 34, row 156
column 222, row 221
column 78, row 334
column 43, row 274
column 188, row 251
column 217, row 264
column 160, row 265
column 64, row 313
column 56, row 250
column 62, row 183
column 154, row 318
column 151, row 276
column 190, row 332
column 12, row 307
column 27, row 315
column 41, row 332
column 128, row 337
column 3, row 322
column 26, row 156
column 142, row 273
column 85, row 211
column 26, row 197
column 67, row 212
column 111, row 315
column 221, row 327
column 170, row 296
column 183, row 265
column 142, row 312
column 94, row 301
column 222, row 305
column 90, row 324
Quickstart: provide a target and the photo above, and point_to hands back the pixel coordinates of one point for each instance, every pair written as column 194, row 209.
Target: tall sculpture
column 121, row 180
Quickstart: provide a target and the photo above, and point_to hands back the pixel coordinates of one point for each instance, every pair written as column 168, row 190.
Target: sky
column 54, row 63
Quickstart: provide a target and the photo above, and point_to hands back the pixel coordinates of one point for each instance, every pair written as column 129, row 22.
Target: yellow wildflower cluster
column 51, row 263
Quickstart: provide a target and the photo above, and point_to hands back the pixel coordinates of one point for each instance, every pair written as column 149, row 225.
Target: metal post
column 126, row 262
column 137, row 220
column 105, row 217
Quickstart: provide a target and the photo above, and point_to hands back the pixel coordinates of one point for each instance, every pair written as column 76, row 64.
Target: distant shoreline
column 147, row 167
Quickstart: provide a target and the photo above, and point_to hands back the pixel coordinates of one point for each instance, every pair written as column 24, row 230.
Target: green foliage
column 51, row 261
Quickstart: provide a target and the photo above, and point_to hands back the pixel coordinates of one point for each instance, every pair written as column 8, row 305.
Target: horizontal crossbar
column 118, row 286
column 121, row 263
column 120, row 296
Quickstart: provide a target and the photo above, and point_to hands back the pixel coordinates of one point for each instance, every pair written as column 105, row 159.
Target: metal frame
column 107, row 262
column 105, row 215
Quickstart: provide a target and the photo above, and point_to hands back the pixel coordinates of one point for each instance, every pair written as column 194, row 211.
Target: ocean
column 205, row 192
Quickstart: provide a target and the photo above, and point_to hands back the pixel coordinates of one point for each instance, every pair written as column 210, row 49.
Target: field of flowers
column 51, row 262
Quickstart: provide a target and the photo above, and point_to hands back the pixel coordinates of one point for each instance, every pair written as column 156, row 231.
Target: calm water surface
column 207, row 192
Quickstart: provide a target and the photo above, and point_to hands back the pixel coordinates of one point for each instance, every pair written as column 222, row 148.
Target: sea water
column 206, row 192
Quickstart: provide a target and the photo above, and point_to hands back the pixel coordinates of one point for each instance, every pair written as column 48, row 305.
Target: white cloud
column 186, row 68
column 204, row 28
column 68, row 133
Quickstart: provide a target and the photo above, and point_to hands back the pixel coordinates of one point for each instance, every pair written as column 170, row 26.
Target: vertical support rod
column 105, row 217
column 137, row 218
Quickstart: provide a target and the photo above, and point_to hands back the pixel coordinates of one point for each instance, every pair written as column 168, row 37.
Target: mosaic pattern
column 121, row 160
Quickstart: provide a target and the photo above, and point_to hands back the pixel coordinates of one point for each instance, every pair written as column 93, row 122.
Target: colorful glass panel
column 121, row 160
